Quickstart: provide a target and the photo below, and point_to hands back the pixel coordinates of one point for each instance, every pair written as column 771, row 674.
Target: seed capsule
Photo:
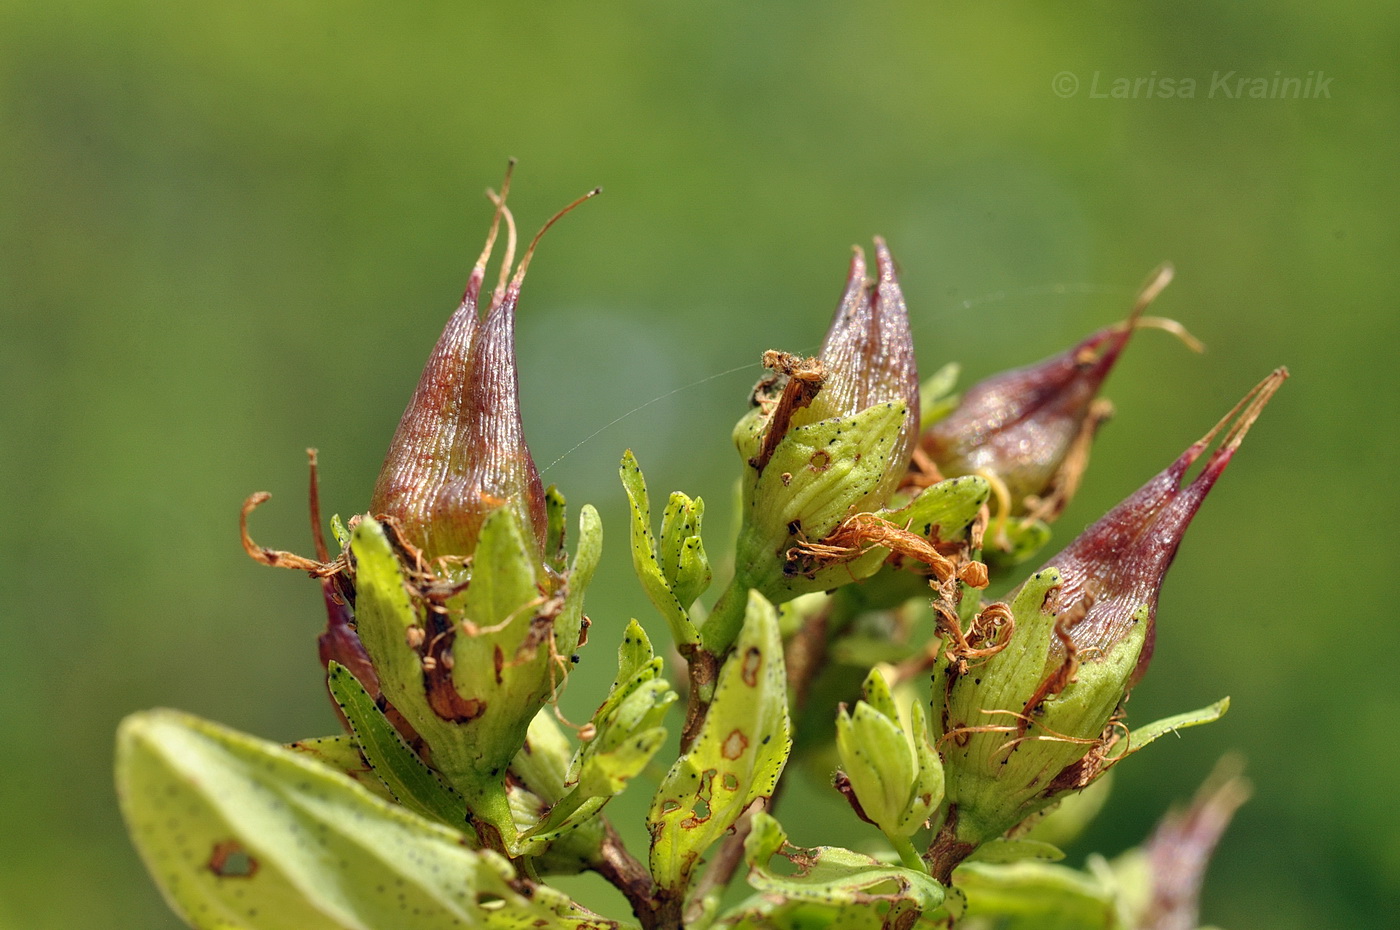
column 1040, row 716
column 1029, row 430
column 459, row 451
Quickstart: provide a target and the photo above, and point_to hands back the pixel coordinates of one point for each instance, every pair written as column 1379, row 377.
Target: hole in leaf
column 230, row 860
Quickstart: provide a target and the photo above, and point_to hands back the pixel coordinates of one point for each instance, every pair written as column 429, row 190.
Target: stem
column 947, row 851
column 629, row 876
column 704, row 671
column 722, row 626
column 908, row 855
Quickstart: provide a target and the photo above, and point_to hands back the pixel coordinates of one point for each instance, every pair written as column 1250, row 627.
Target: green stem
column 727, row 619
column 908, row 855
column 489, row 813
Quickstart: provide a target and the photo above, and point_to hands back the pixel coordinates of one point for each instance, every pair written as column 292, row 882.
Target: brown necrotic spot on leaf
column 735, row 744
column 229, row 859
column 752, row 664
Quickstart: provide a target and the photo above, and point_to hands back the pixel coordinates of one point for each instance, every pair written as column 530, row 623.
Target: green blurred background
column 232, row 230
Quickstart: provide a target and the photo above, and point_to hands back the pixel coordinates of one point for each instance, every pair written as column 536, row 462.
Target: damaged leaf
column 269, row 839
column 845, row 888
column 736, row 758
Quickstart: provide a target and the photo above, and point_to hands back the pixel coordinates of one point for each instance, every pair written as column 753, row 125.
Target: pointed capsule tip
column 478, row 273
column 519, row 277
column 1152, row 289
column 884, row 261
column 1239, row 421
column 1235, row 425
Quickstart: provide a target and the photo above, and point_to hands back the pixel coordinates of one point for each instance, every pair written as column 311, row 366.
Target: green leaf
column 568, row 625
column 949, row 508
column 342, row 754
column 819, row 474
column 1151, row 732
column 244, row 834
column 831, row 886
column 831, row 465
column 683, row 561
column 404, row 774
column 894, row 772
column 875, row 691
column 626, row 735
column 555, row 520
column 542, row 764
column 1062, row 823
column 1008, row 850
column 1024, row 538
column 646, row 560
column 339, row 532
column 384, row 617
column 1036, row 896
column 736, row 758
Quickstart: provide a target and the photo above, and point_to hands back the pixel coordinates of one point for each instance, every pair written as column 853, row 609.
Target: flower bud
column 469, row 649
column 866, row 359
column 892, row 771
column 1039, row 717
column 831, row 437
column 868, row 355
column 1115, row 568
column 1029, row 430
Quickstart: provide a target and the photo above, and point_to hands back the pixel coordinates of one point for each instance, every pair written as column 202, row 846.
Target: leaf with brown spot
column 267, row 838
column 736, row 757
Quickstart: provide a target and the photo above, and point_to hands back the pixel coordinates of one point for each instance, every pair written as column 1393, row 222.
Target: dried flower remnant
column 1029, row 430
column 868, row 353
column 1042, row 716
column 866, row 358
